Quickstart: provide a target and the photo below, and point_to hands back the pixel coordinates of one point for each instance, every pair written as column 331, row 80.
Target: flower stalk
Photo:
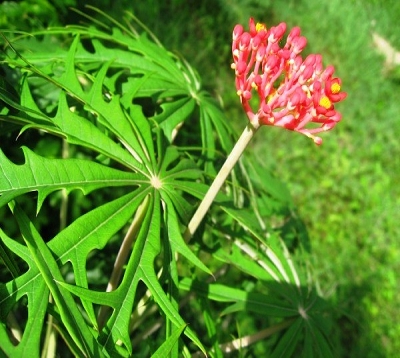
column 219, row 180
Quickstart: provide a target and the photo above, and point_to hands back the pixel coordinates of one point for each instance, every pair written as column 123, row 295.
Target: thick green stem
column 219, row 180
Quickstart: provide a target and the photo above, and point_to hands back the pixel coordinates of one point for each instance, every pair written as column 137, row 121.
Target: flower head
column 291, row 92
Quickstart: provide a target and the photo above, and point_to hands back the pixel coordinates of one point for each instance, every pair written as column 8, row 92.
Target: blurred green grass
column 347, row 190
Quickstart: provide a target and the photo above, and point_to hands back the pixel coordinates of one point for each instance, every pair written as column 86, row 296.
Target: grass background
column 347, row 191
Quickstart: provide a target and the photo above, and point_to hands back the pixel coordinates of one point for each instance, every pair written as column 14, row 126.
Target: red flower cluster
column 291, row 92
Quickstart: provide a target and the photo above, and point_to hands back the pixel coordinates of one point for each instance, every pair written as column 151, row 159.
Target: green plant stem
column 219, row 180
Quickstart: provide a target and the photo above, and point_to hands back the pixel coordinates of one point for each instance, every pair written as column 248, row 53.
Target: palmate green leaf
column 178, row 80
column 143, row 139
column 89, row 232
column 154, row 73
column 69, row 124
column 305, row 333
column 140, row 267
column 47, row 175
column 110, row 113
column 49, row 270
column 75, row 128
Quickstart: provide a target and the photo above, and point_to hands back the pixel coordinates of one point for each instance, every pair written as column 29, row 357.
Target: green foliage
column 32, row 14
column 141, row 139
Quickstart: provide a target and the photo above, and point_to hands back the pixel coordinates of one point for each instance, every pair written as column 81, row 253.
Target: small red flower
column 292, row 92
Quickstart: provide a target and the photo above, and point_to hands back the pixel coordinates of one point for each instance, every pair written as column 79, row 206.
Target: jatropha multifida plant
column 166, row 254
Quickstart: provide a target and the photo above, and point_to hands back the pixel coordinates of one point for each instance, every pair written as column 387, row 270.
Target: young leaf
column 140, row 267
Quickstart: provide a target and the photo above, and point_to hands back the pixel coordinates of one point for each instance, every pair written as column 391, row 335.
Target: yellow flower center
column 335, row 88
column 260, row 26
column 325, row 102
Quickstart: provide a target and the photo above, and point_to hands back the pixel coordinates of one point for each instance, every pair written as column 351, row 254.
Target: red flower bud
column 237, row 31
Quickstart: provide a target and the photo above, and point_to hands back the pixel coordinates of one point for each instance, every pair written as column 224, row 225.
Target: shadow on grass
column 354, row 323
